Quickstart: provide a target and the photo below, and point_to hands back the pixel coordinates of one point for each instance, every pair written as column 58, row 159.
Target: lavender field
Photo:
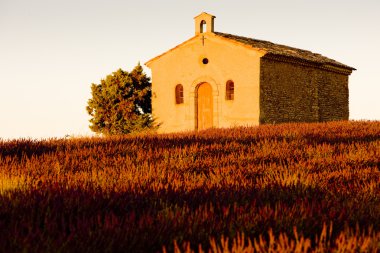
column 273, row 188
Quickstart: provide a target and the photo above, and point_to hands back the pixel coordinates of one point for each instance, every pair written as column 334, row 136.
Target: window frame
column 230, row 90
column 179, row 98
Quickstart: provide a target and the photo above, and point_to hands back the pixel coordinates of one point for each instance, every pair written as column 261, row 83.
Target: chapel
column 219, row 80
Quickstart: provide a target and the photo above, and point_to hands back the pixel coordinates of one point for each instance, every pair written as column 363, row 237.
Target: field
column 281, row 188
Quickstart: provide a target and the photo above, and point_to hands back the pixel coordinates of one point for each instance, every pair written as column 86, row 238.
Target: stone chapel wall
column 333, row 96
column 287, row 93
column 292, row 92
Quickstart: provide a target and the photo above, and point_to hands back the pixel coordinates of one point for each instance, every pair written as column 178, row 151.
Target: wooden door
column 204, row 106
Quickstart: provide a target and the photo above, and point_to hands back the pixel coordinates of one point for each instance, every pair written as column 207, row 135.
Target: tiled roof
column 273, row 49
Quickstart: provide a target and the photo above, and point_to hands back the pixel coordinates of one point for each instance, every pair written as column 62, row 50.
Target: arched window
column 179, row 94
column 203, row 26
column 230, row 90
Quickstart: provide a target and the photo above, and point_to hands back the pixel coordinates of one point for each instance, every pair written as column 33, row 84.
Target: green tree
column 121, row 103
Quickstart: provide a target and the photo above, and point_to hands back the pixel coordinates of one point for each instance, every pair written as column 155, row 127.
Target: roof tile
column 286, row 51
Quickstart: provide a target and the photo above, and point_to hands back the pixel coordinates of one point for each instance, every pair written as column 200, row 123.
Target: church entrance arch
column 204, row 106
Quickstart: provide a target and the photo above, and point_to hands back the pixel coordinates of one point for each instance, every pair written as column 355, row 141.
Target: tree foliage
column 121, row 103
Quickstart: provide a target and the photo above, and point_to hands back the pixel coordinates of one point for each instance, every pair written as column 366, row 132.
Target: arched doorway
column 204, row 106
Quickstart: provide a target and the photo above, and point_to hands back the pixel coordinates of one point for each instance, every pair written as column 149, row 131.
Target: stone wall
column 333, row 96
column 291, row 92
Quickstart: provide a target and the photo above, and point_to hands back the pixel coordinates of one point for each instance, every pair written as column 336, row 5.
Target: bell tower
column 204, row 23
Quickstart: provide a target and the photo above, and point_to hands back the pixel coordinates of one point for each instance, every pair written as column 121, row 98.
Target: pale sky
column 51, row 51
